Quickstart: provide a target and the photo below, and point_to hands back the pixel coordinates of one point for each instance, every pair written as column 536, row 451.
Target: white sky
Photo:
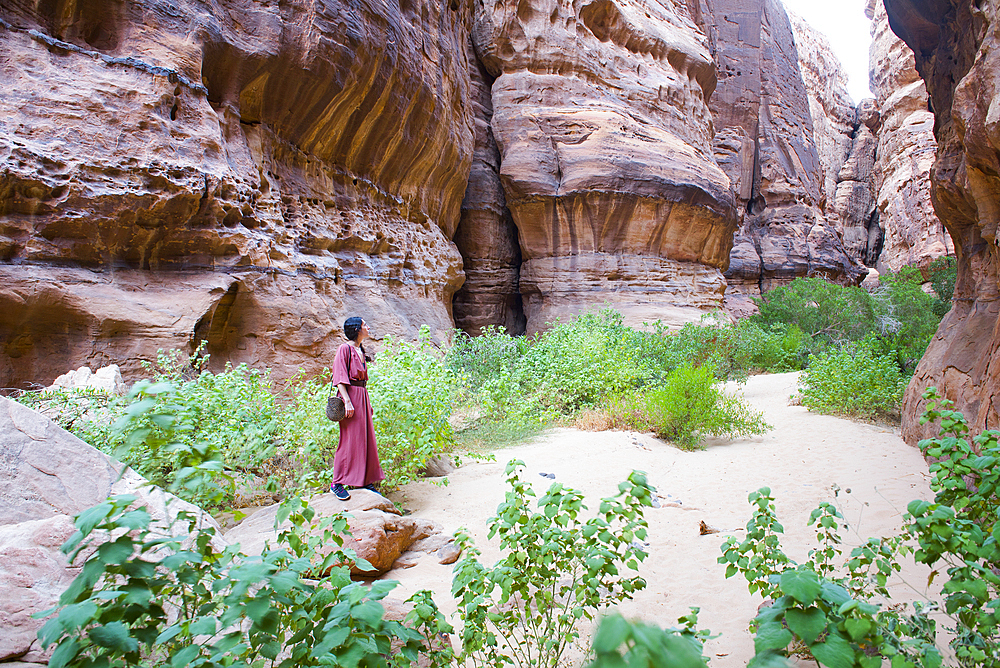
column 844, row 23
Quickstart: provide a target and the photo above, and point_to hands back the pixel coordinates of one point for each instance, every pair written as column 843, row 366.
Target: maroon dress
column 356, row 462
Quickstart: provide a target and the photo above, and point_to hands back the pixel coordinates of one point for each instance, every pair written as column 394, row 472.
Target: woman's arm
column 348, row 406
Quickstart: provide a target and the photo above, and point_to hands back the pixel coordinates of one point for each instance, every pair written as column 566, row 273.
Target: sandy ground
column 801, row 460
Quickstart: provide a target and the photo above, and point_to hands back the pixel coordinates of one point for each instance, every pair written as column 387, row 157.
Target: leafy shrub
column 825, row 312
column 557, row 570
column 835, row 613
column 412, row 392
column 941, row 275
column 144, row 598
column 690, row 406
column 906, row 318
column 853, row 380
column 648, row 646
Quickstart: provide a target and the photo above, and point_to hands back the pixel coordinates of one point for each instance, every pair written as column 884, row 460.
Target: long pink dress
column 356, row 462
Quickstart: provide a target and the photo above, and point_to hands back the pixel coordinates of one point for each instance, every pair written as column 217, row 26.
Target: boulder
column 107, row 379
column 379, row 533
column 47, row 476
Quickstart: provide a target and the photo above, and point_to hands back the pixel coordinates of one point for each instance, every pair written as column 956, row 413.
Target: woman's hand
column 348, row 409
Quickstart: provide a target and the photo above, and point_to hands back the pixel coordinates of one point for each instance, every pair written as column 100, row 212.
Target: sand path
column 801, row 459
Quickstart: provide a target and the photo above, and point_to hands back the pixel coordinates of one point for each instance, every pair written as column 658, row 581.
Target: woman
column 356, row 462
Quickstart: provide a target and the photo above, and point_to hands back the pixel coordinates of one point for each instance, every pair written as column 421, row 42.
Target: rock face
column 956, row 50
column 47, row 476
column 613, row 188
column 487, row 236
column 170, row 173
column 765, row 141
column 905, row 153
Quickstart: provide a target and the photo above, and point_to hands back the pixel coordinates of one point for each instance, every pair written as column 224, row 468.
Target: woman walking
column 356, row 462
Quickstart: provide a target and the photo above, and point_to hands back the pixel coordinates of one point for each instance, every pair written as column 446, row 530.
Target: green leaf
column 114, row 636
column 834, row 593
column 857, row 628
column 835, row 652
column 65, row 652
column 802, row 585
column 806, row 624
column 771, row 636
column 613, row 631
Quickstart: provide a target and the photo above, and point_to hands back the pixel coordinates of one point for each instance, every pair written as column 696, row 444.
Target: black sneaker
column 372, row 488
column 339, row 491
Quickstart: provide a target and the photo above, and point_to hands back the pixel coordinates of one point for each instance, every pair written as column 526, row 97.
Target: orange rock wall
column 245, row 172
column 957, row 54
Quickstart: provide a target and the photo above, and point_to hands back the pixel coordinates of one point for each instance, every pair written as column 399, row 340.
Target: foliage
column 961, row 528
column 557, row 570
column 831, row 611
column 690, row 406
column 853, row 380
column 648, row 646
column 941, row 275
column 412, row 392
column 813, row 611
column 906, row 318
column 147, row 596
column 825, row 312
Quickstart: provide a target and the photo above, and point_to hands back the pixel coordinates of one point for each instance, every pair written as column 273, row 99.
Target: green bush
column 690, row 406
column 853, row 380
column 842, row 614
column 557, row 570
column 143, row 598
column 906, row 318
column 412, row 392
column 825, row 312
column 941, row 275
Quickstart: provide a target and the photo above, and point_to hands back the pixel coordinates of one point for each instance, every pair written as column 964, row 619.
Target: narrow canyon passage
column 801, row 459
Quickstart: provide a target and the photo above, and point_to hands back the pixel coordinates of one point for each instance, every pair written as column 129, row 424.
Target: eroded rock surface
column 905, row 154
column 170, row 173
column 613, row 188
column 766, row 144
column 956, row 50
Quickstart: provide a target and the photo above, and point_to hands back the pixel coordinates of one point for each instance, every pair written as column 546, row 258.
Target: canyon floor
column 803, row 459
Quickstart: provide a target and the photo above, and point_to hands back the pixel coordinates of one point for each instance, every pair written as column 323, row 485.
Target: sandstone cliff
column 956, row 49
column 905, row 153
column 247, row 173
column 766, row 143
column 605, row 140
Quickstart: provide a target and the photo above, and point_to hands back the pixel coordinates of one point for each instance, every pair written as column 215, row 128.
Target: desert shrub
column 690, row 406
column 647, row 645
column 557, row 571
column 906, row 319
column 941, row 274
column 824, row 311
column 154, row 595
column 853, row 380
column 412, row 392
column 307, row 438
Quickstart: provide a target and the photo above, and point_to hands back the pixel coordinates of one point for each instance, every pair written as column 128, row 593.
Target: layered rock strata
column 170, row 173
column 766, row 144
column 605, row 140
column 957, row 53
column 906, row 148
column 486, row 235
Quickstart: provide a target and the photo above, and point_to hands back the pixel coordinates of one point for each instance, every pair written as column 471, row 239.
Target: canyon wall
column 956, row 51
column 605, row 141
column 247, row 173
column 905, row 154
column 766, row 142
